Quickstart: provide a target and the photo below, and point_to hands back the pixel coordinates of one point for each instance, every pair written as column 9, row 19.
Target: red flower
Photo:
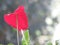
column 18, row 17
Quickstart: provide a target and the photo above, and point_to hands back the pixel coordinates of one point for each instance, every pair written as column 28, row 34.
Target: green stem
column 26, row 38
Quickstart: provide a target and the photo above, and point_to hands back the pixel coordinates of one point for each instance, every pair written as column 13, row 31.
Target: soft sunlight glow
column 55, row 12
column 56, row 34
column 49, row 21
column 55, row 8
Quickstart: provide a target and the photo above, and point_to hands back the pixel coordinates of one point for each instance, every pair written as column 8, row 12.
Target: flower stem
column 17, row 30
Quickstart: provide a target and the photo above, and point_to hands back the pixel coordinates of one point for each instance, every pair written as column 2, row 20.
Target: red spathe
column 17, row 18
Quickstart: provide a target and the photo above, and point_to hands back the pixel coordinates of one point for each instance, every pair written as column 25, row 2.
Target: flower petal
column 18, row 15
column 19, row 10
column 10, row 19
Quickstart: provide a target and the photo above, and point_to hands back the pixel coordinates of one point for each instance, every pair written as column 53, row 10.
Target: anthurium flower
column 17, row 19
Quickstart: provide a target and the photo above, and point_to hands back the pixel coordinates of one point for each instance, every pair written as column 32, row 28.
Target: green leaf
column 26, row 38
column 10, row 44
column 1, row 44
column 49, row 43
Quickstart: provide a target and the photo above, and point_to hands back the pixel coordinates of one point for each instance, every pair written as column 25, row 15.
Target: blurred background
column 43, row 16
